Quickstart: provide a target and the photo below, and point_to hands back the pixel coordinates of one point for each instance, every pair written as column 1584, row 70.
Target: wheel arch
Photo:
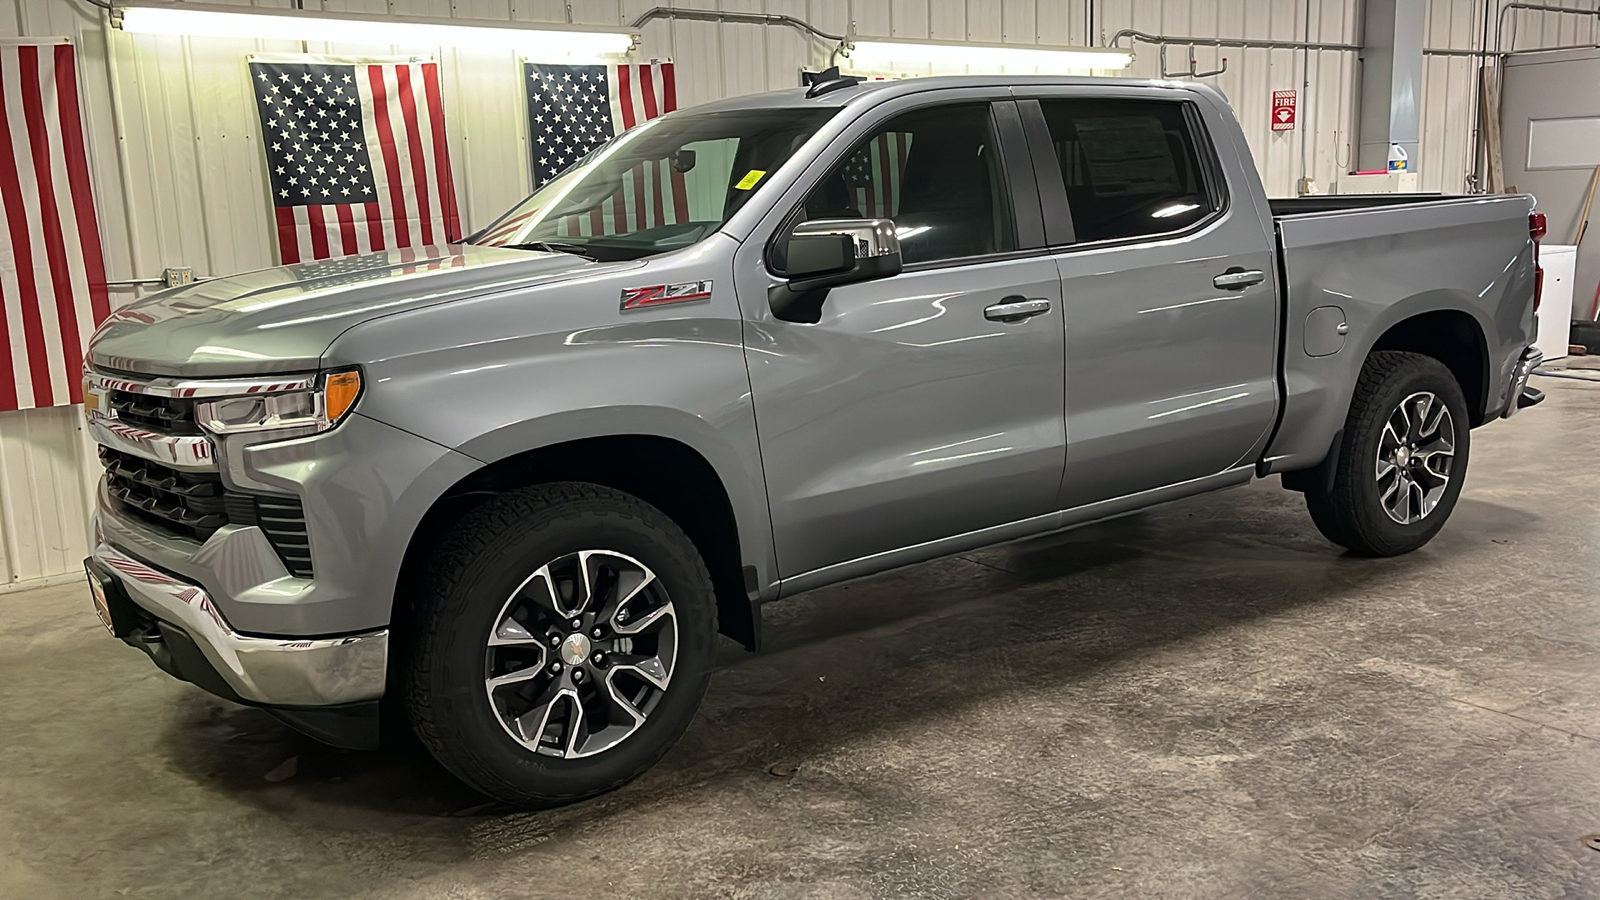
column 665, row 472
column 1456, row 339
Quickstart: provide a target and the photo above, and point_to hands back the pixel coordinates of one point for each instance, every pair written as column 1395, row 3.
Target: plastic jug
column 1397, row 158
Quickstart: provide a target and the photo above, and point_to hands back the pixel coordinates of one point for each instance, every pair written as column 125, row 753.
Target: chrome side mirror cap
column 829, row 253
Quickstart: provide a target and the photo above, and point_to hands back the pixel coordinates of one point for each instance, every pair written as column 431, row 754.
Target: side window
column 1131, row 167
column 936, row 173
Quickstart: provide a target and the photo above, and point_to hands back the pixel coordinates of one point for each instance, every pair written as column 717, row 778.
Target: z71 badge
column 661, row 294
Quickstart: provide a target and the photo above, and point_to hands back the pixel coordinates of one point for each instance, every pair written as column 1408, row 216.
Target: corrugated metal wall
column 178, row 170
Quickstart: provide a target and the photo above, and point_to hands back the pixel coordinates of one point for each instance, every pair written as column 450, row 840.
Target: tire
column 481, row 709
column 1363, row 510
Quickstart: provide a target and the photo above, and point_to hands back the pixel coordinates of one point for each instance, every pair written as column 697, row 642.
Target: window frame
column 1017, row 180
column 1056, row 205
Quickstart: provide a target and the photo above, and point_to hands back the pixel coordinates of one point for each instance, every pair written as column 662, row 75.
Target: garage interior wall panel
column 177, row 162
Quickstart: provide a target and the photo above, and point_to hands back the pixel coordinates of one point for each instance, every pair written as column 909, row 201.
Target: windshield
column 662, row 185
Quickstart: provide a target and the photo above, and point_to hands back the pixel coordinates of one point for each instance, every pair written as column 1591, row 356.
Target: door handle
column 1237, row 279
column 1015, row 309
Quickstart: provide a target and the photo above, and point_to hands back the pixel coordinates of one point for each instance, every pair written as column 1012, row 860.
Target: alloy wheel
column 581, row 653
column 1415, row 452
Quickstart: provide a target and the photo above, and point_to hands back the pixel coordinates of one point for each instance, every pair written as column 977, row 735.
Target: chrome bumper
column 298, row 672
column 1531, row 358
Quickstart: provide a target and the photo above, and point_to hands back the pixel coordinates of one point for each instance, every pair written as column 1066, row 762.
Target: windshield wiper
column 556, row 247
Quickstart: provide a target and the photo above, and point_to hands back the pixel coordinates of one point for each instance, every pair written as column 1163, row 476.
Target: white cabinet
column 1555, row 310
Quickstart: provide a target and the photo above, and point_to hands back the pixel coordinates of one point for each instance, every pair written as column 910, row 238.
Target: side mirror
column 829, row 253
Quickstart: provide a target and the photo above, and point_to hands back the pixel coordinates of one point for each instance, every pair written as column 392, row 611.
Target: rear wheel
column 564, row 644
column 1402, row 461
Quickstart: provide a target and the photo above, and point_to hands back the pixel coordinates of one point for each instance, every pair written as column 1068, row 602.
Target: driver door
column 916, row 414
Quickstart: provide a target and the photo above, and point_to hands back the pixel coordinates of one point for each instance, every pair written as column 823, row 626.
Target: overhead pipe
column 1500, row 25
column 741, row 18
column 1194, row 66
column 1475, row 54
column 1145, row 37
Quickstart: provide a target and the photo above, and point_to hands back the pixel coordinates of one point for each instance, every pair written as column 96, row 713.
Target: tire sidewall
column 475, row 601
column 1434, row 378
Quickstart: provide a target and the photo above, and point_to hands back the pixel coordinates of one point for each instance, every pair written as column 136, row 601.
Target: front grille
column 195, row 505
column 188, row 503
column 163, row 414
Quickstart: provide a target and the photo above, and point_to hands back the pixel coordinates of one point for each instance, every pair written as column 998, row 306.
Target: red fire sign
column 1283, row 110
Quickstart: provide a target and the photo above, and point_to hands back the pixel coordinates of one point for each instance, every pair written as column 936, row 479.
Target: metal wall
column 178, row 169
column 1559, row 86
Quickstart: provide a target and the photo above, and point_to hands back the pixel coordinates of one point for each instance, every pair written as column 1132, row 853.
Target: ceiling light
column 869, row 54
column 198, row 20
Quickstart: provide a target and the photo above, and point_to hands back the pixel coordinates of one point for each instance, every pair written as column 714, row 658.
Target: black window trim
column 1053, row 190
column 1023, row 192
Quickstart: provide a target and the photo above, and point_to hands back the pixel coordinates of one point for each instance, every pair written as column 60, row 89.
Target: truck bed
column 1368, row 263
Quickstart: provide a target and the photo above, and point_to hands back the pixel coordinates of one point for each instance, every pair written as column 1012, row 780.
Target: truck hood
column 283, row 319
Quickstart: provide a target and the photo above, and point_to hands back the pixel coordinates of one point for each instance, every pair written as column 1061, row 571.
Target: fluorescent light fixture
column 197, row 20
column 871, row 54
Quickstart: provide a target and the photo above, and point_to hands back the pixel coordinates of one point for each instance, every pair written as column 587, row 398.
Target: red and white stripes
column 52, row 271
column 887, row 159
column 652, row 194
column 403, row 117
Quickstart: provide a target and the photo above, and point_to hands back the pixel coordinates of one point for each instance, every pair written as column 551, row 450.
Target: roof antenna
column 819, row 83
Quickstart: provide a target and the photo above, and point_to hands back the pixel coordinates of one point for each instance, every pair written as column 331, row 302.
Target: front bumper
column 268, row 671
column 1521, row 396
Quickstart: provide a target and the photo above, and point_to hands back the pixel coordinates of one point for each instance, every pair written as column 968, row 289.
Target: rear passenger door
column 1168, row 296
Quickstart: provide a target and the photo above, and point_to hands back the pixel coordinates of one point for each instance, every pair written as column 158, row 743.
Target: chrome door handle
column 1015, row 309
column 1237, row 279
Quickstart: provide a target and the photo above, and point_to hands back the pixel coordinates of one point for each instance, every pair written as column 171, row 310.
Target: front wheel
column 1402, row 461
column 564, row 642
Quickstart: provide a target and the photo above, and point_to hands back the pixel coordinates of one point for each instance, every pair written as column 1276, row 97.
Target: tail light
column 1536, row 230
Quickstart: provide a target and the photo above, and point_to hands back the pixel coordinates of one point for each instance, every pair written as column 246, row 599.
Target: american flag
column 574, row 109
column 874, row 174
column 52, row 272
column 356, row 155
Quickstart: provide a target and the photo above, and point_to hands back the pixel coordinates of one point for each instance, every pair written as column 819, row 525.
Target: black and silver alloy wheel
column 1415, row 452
column 1397, row 472
column 581, row 653
column 562, row 640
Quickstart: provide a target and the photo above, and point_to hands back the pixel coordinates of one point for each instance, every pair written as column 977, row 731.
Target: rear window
column 1131, row 167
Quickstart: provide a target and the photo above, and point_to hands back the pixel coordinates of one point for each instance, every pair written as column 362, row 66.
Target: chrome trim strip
column 1531, row 358
column 278, row 671
column 191, row 452
column 186, row 389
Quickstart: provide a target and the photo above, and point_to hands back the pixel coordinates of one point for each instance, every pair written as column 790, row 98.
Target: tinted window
column 1131, row 168
column 936, row 173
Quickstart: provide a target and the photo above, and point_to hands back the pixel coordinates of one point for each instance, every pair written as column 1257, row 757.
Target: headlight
column 315, row 410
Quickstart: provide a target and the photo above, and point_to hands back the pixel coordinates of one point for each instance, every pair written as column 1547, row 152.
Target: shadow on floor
column 869, row 656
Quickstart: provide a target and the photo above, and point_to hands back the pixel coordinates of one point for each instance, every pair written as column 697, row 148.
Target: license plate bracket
column 110, row 604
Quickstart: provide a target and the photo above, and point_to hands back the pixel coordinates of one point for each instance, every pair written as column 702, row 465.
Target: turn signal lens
column 340, row 393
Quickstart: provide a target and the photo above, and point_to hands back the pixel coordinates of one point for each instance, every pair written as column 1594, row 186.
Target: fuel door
column 1325, row 331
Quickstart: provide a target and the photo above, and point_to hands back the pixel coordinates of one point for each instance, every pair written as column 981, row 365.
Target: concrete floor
column 1202, row 701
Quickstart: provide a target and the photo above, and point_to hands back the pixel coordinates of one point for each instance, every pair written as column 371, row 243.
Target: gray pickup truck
column 512, row 489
